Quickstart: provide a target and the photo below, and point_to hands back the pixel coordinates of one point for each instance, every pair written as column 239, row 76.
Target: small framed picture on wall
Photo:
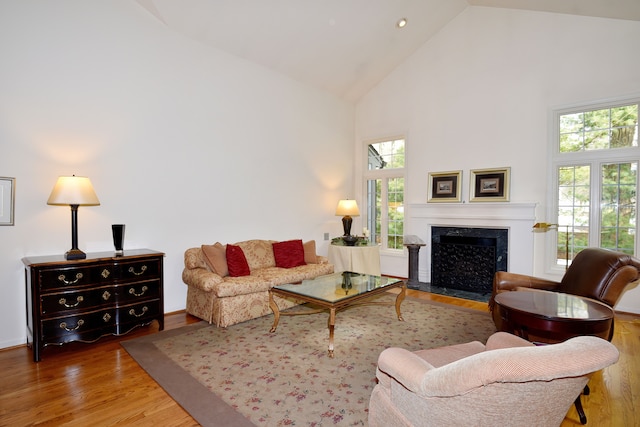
column 489, row 185
column 7, row 200
column 445, row 186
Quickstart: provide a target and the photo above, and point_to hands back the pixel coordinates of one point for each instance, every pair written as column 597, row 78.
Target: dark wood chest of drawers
column 83, row 300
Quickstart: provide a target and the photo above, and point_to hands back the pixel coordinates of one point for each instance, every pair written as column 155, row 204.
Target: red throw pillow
column 289, row 253
column 237, row 262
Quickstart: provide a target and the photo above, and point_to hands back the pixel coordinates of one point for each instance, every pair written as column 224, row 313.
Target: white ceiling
column 343, row 46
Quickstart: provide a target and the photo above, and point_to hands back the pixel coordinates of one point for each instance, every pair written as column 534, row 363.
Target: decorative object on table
column 543, row 227
column 118, row 238
column 489, row 185
column 445, row 186
column 346, row 281
column 7, row 200
column 357, row 241
column 366, row 233
column 73, row 191
column 348, row 208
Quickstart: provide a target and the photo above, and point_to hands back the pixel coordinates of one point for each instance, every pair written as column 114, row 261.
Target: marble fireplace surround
column 517, row 218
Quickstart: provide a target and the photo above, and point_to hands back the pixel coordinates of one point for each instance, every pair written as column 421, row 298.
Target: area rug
column 245, row 375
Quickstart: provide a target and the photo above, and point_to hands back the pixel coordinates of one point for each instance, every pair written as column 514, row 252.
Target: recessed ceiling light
column 402, row 22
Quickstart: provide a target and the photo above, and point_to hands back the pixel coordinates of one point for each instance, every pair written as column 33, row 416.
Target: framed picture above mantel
column 445, row 186
column 489, row 185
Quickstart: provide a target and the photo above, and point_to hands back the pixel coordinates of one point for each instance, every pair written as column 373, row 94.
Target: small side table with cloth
column 358, row 259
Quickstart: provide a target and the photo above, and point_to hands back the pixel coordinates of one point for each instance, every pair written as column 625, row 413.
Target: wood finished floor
column 99, row 384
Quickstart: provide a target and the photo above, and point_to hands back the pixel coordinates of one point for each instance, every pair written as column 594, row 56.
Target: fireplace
column 466, row 258
column 513, row 217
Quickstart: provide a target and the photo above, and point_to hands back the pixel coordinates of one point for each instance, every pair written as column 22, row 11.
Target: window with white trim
column 595, row 178
column 384, row 181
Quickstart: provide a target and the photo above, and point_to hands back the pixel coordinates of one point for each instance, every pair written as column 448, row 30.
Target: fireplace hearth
column 466, row 258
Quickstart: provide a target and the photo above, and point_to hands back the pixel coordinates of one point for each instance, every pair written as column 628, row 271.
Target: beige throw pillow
column 216, row 258
column 310, row 256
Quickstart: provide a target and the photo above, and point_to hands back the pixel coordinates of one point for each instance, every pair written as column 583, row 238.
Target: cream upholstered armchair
column 508, row 381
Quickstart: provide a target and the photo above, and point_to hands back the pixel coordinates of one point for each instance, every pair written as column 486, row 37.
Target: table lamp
column 347, row 208
column 73, row 191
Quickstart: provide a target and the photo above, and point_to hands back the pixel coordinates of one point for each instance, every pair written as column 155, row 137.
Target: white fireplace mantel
column 518, row 218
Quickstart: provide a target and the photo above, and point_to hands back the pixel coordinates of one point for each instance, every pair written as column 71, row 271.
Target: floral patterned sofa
column 229, row 284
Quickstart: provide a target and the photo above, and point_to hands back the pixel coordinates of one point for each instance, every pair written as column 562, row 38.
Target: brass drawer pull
column 105, row 273
column 142, row 270
column 106, row 317
column 63, row 325
column 133, row 312
column 63, row 301
column 106, row 295
column 64, row 280
column 132, row 291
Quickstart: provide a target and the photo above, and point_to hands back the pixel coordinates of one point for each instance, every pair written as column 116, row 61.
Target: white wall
column 478, row 95
column 188, row 145
column 184, row 144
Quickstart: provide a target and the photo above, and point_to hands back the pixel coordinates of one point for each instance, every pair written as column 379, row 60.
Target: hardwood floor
column 99, row 384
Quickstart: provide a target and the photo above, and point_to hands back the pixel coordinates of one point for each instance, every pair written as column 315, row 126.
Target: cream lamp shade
column 347, row 208
column 73, row 191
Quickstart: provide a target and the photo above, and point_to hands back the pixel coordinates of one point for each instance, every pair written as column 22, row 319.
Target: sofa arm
column 322, row 259
column 201, row 278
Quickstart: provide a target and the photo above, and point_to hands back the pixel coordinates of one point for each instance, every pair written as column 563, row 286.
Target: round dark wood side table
column 550, row 317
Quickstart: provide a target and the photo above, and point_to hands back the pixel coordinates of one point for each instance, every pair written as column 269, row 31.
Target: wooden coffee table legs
column 332, row 317
column 276, row 312
column 332, row 313
column 399, row 299
column 332, row 324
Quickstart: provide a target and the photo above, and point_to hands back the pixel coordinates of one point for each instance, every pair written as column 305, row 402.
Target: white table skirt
column 359, row 259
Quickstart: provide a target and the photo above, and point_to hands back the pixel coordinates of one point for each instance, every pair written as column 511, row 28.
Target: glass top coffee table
column 334, row 292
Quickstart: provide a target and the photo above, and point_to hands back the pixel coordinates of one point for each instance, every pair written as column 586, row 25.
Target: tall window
column 385, row 192
column 595, row 166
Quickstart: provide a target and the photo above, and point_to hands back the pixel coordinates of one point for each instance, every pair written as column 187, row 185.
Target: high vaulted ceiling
column 343, row 46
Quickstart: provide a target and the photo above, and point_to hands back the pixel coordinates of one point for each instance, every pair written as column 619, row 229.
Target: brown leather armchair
column 595, row 273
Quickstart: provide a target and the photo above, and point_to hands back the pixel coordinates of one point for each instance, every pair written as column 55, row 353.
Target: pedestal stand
column 414, row 249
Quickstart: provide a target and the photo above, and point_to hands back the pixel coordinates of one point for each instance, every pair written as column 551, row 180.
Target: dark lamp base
column 350, row 240
column 75, row 254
